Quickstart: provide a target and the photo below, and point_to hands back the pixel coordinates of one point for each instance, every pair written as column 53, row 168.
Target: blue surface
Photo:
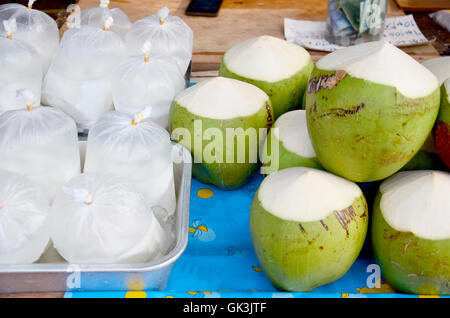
column 220, row 262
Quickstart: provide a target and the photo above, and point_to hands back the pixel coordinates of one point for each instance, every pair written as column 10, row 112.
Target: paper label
column 399, row 31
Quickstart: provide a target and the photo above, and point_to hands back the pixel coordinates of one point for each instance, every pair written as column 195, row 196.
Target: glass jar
column 351, row 22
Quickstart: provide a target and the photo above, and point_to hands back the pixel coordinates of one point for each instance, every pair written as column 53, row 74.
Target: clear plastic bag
column 442, row 17
column 147, row 80
column 24, row 215
column 99, row 219
column 137, row 149
column 351, row 22
column 20, row 67
column 96, row 17
column 34, row 28
column 41, row 143
column 78, row 80
column 168, row 35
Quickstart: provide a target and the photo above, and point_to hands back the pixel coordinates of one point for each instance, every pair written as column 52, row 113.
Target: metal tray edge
column 165, row 261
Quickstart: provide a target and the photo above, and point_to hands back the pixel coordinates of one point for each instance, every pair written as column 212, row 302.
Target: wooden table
column 238, row 20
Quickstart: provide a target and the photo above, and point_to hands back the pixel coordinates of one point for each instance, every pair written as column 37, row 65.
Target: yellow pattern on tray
column 384, row 288
column 205, row 193
column 136, row 294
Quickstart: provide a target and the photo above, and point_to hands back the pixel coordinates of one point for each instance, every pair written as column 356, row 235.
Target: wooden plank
column 423, row 5
column 238, row 20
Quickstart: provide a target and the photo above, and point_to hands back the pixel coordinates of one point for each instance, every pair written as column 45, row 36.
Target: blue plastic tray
column 220, row 262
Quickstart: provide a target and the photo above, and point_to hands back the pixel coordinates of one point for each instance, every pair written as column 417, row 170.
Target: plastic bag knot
column 10, row 26
column 146, row 50
column 79, row 194
column 138, row 117
column 30, row 4
column 28, row 97
column 163, row 13
column 108, row 23
column 104, row 3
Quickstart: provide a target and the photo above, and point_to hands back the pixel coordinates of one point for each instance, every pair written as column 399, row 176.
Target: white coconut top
column 305, row 195
column 418, row 202
column 222, row 98
column 382, row 63
column 266, row 58
column 440, row 67
column 293, row 133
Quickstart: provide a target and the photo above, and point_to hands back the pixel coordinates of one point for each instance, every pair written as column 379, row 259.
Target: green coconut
column 278, row 67
column 441, row 136
column 307, row 226
column 442, row 130
column 288, row 144
column 223, row 122
column 444, row 112
column 411, row 231
column 370, row 108
column 426, row 158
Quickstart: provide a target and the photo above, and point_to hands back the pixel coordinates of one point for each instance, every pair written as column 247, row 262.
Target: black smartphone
column 206, row 8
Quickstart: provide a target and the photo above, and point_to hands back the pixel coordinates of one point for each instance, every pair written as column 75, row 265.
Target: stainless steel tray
column 52, row 274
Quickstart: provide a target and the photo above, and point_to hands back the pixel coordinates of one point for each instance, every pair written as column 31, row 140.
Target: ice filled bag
column 40, row 142
column 24, row 216
column 147, row 80
column 20, row 67
column 98, row 219
column 96, row 17
column 34, row 28
column 168, row 35
column 78, row 81
column 137, row 149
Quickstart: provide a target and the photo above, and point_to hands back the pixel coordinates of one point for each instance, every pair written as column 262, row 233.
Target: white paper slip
column 399, row 31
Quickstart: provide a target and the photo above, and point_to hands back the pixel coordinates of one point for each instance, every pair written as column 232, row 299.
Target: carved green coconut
column 411, row 231
column 223, row 122
column 308, row 227
column 288, row 144
column 370, row 107
column 278, row 67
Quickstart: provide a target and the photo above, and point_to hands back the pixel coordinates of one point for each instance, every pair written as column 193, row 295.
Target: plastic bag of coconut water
column 102, row 218
column 168, row 35
column 20, row 67
column 34, row 28
column 41, row 143
column 24, row 211
column 137, row 149
column 145, row 80
column 78, row 81
column 96, row 16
